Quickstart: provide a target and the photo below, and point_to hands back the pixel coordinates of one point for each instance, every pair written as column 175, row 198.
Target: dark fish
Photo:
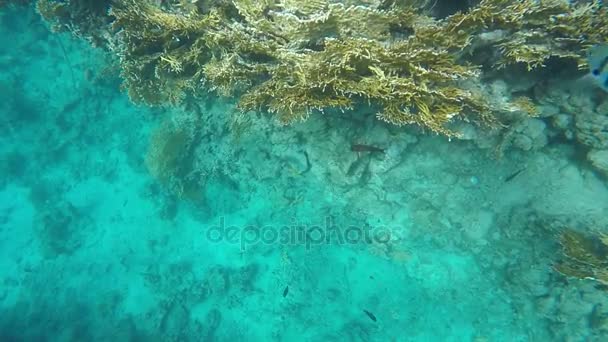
column 513, row 175
column 365, row 148
column 370, row 315
column 286, row 291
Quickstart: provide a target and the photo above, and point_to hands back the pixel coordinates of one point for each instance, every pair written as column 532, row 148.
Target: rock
column 562, row 121
column 599, row 159
column 602, row 108
column 547, row 110
column 522, row 142
column 530, row 135
column 592, row 130
column 479, row 226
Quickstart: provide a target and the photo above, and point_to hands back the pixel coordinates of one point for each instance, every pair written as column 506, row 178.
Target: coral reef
column 579, row 114
column 585, row 256
column 83, row 18
column 169, row 157
column 528, row 134
column 191, row 147
column 461, row 224
column 592, row 129
column 294, row 58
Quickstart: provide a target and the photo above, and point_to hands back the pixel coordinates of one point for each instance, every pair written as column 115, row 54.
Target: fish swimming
column 598, row 65
column 286, row 291
column 514, row 174
column 370, row 315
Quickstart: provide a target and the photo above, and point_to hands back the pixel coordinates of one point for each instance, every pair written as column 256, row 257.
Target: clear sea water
column 292, row 237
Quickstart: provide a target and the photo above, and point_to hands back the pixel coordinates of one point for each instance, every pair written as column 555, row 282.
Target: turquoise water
column 291, row 235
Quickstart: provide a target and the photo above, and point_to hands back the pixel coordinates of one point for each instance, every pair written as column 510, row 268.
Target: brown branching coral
column 585, row 257
column 532, row 31
column 334, row 67
column 292, row 58
column 162, row 53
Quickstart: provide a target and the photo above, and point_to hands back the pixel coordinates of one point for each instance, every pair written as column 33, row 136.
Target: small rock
column 602, row 108
column 474, row 180
column 530, row 135
column 547, row 110
column 592, row 130
column 599, row 159
column 562, row 121
column 522, row 142
column 479, row 226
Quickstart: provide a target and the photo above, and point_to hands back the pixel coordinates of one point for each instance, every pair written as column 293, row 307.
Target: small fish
column 514, row 174
column 370, row 315
column 598, row 64
column 286, row 291
column 365, row 148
